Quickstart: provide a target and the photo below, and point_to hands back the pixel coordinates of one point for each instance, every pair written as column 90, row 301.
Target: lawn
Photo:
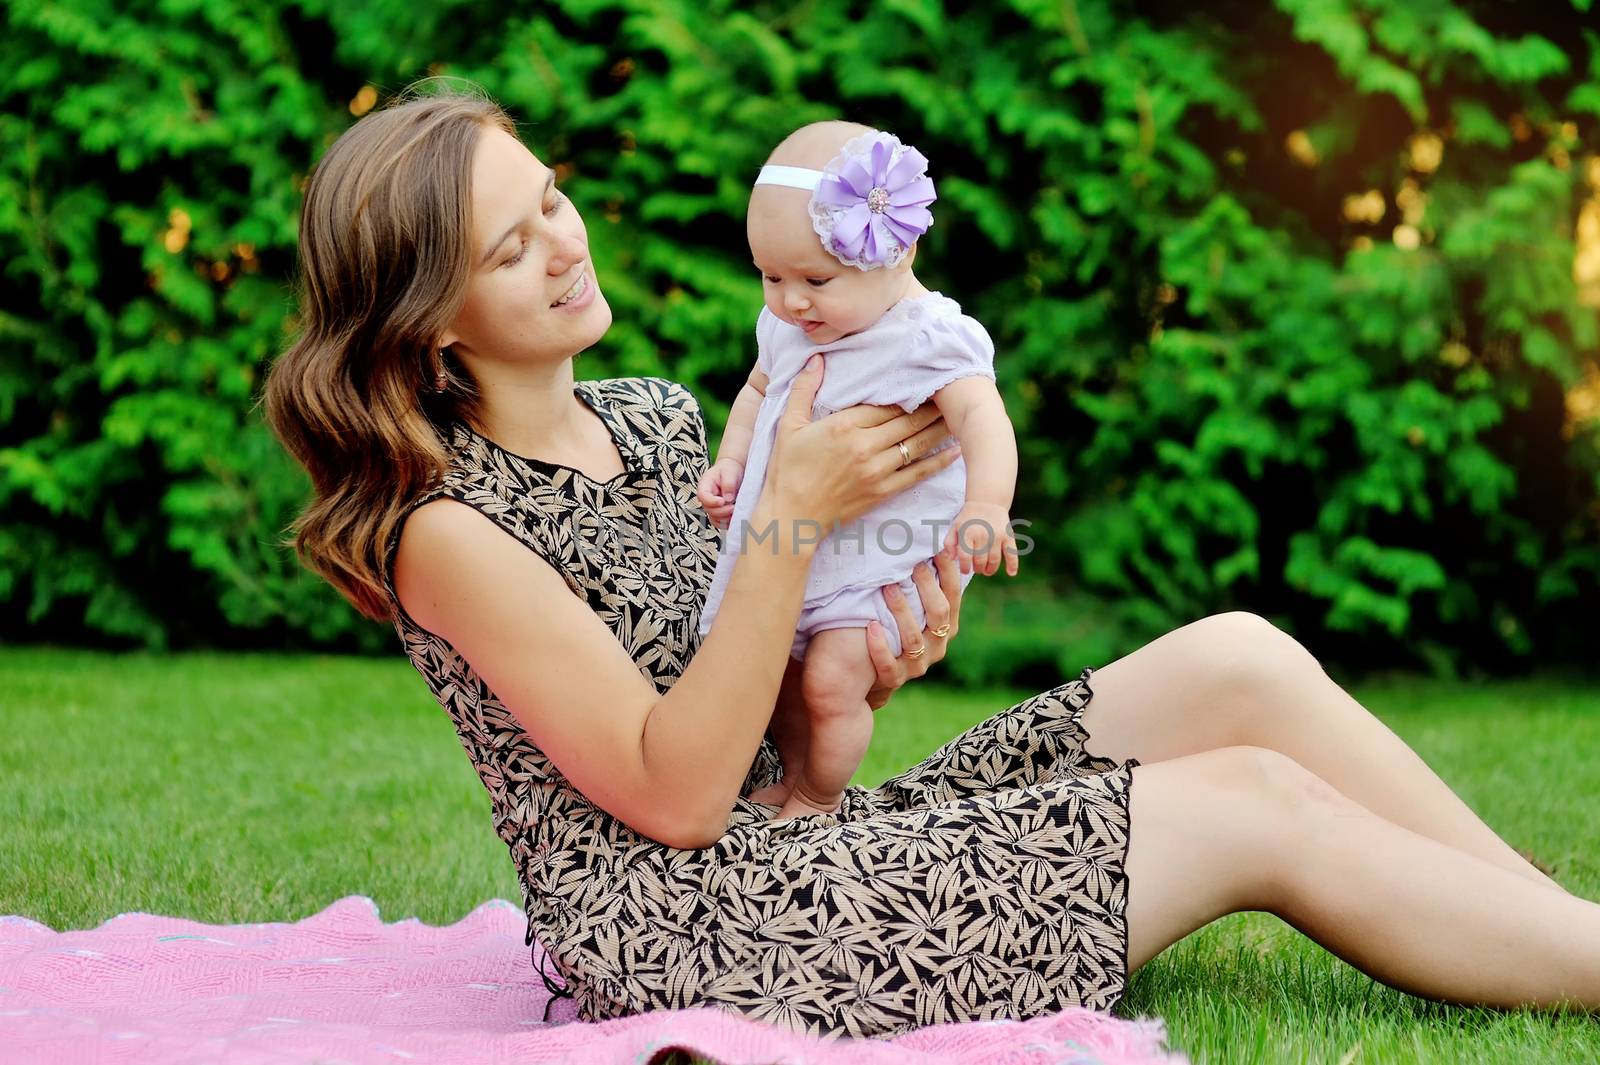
column 233, row 788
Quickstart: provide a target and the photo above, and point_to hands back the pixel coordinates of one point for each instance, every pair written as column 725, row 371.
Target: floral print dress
column 985, row 882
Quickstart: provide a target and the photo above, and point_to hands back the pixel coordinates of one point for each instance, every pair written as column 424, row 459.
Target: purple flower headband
column 870, row 204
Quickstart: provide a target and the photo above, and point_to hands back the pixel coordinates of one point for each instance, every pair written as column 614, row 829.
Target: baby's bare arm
column 976, row 415
column 741, row 426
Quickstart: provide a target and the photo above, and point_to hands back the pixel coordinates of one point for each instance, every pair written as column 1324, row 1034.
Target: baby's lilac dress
column 916, row 348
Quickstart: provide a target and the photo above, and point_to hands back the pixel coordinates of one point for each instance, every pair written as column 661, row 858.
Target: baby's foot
column 799, row 805
column 772, row 794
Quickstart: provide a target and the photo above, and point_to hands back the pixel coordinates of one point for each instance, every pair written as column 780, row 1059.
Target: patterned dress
column 985, row 882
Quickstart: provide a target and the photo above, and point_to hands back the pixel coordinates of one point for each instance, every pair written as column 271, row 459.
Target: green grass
column 258, row 787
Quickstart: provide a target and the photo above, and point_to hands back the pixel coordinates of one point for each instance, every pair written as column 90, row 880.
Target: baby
column 833, row 224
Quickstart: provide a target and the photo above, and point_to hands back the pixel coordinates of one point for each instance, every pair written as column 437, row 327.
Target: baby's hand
column 981, row 539
column 719, row 487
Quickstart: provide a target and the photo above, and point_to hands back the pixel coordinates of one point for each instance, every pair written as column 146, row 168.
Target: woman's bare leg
column 1245, row 828
column 1236, row 679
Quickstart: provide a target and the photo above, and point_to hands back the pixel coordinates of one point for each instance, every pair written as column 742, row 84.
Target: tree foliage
column 1290, row 299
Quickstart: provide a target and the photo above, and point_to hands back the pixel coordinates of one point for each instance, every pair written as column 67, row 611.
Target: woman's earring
column 440, row 380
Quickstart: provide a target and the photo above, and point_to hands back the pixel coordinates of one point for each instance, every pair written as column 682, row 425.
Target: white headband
column 794, row 177
column 870, row 204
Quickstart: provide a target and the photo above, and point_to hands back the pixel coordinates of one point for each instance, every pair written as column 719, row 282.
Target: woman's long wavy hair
column 385, row 254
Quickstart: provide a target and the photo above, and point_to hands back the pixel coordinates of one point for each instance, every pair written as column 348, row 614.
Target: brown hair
column 385, row 254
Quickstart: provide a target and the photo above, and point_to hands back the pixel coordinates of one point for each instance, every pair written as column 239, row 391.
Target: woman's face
column 532, row 293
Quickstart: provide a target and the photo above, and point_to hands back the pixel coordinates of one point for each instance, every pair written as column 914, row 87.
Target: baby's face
column 803, row 284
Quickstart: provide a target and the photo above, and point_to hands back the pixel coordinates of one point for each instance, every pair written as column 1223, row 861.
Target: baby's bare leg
column 789, row 730
column 834, row 682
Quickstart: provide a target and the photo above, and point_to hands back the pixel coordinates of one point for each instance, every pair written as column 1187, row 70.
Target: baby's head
column 834, row 257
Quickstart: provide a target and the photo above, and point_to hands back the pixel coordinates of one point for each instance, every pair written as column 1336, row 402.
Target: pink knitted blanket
column 343, row 986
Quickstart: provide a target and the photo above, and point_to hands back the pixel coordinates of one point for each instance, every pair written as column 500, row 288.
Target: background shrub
column 1295, row 303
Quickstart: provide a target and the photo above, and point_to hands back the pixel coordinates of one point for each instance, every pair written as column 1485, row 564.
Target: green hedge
column 1289, row 303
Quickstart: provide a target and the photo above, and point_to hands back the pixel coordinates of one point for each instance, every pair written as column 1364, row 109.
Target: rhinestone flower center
column 878, row 200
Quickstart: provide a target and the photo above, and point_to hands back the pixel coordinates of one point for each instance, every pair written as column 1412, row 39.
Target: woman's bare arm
column 669, row 766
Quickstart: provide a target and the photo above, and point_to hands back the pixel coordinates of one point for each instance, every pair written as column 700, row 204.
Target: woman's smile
column 579, row 296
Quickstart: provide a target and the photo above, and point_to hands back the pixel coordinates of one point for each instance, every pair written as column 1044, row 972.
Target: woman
column 536, row 543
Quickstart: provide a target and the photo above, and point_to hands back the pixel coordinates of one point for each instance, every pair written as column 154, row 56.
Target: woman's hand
column 941, row 605
column 834, row 470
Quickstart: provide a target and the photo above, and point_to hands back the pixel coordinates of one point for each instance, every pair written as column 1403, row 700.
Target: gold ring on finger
column 905, row 453
column 942, row 631
column 918, row 653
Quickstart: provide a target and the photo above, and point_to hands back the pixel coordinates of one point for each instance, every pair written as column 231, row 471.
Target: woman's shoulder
column 441, row 529
column 648, row 393
column 657, row 408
